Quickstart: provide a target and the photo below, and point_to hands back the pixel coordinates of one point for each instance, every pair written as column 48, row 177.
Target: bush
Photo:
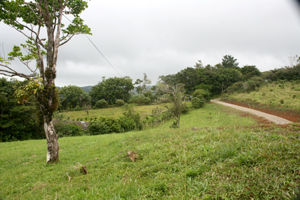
column 70, row 129
column 202, row 94
column 130, row 113
column 236, row 87
column 120, row 102
column 197, row 103
column 185, row 109
column 101, row 104
column 140, row 100
column 112, row 124
column 254, row 83
column 97, row 128
column 127, row 124
column 109, row 125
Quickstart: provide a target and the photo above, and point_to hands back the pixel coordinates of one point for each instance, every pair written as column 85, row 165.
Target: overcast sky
column 161, row 37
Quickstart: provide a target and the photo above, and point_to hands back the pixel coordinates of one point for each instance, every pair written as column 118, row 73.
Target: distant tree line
column 214, row 79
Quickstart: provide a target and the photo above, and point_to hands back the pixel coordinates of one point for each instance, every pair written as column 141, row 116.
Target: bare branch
column 14, row 73
column 40, row 61
column 31, row 31
column 58, row 31
column 21, row 32
column 70, row 37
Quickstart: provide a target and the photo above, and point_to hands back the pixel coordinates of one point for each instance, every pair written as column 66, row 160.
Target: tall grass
column 282, row 95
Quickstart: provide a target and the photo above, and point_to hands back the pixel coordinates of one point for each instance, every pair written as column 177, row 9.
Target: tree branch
column 40, row 62
column 14, row 73
column 67, row 40
column 58, row 31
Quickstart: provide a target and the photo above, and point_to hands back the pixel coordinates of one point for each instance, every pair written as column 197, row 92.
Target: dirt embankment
column 291, row 116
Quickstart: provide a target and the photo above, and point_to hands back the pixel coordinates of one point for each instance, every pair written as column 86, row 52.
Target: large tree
column 229, row 61
column 41, row 23
column 112, row 89
column 70, row 96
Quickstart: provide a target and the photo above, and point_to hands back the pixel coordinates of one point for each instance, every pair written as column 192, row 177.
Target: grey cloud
column 162, row 37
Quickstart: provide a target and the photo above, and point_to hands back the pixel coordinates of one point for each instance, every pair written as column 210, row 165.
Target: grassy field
column 106, row 112
column 212, row 156
column 283, row 96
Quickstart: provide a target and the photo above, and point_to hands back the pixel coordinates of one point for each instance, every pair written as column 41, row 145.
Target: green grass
column 106, row 112
column 212, row 115
column 283, row 96
column 218, row 160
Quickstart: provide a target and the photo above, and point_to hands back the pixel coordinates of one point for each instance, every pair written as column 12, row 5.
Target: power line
column 98, row 50
column 103, row 55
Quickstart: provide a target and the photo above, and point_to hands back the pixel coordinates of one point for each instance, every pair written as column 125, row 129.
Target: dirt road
column 272, row 118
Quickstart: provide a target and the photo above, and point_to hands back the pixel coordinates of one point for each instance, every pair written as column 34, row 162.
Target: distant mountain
column 87, row 88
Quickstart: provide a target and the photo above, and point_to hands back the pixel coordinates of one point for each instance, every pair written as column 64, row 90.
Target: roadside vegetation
column 279, row 95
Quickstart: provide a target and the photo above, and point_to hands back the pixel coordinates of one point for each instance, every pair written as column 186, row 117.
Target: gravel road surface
column 272, row 118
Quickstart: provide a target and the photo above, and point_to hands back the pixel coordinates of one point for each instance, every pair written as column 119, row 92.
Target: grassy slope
column 107, row 112
column 228, row 162
column 274, row 95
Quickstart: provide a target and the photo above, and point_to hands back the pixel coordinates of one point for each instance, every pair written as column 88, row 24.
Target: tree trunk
column 52, row 142
column 178, row 121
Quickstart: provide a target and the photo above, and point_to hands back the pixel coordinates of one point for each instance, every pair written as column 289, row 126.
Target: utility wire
column 98, row 50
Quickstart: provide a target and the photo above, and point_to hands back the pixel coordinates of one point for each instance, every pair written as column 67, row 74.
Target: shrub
column 112, row 124
column 236, row 87
column 198, row 103
column 202, row 94
column 254, row 82
column 185, row 108
column 127, row 124
column 101, row 104
column 70, row 129
column 130, row 113
column 120, row 102
column 97, row 128
column 140, row 100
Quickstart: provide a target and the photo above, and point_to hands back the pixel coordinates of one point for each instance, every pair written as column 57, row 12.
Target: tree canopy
column 112, row 89
column 70, row 96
